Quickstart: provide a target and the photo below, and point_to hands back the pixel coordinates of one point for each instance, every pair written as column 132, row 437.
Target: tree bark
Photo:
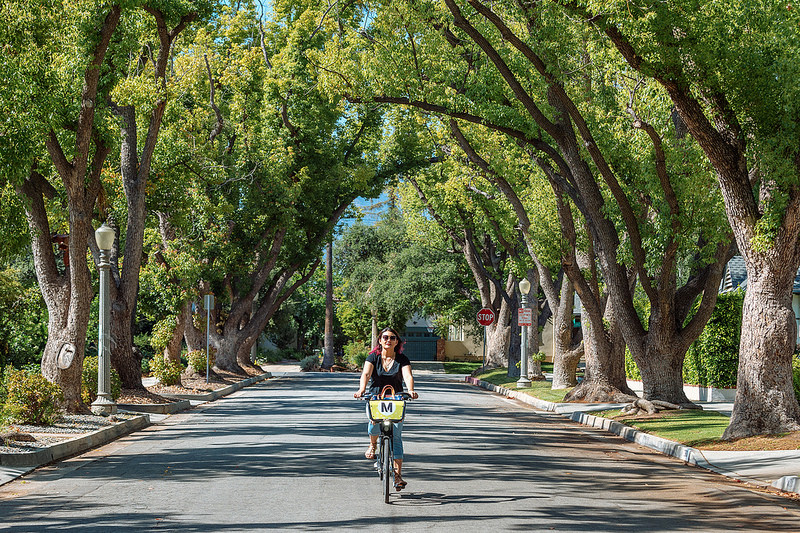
column 765, row 400
column 172, row 351
column 135, row 173
column 567, row 355
column 68, row 295
column 604, row 352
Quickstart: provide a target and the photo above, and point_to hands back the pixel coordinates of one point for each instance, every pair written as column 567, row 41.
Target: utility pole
column 327, row 358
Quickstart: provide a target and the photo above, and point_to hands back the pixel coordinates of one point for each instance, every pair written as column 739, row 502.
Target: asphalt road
column 288, row 455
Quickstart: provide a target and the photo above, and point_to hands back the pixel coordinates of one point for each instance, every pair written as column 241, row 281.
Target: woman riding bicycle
column 386, row 365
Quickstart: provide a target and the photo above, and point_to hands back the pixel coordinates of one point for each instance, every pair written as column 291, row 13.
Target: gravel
column 70, row 426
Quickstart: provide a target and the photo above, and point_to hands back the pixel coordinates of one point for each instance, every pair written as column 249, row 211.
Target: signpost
column 525, row 316
column 485, row 318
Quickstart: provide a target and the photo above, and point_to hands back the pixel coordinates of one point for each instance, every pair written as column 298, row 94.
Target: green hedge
column 796, row 375
column 713, row 359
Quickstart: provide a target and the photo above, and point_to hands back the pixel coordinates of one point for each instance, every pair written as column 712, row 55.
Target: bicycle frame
column 386, row 412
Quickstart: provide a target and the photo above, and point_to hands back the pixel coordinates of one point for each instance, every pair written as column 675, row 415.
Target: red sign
column 525, row 317
column 485, row 317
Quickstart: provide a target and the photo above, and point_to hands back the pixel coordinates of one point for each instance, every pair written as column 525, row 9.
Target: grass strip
column 460, row 367
column 538, row 389
column 691, row 427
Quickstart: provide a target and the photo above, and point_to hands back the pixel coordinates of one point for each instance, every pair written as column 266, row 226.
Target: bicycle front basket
column 387, row 410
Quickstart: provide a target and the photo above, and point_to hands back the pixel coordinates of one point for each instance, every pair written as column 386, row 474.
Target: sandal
column 399, row 484
column 370, row 453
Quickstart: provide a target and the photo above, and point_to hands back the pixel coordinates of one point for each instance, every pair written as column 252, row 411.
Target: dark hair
column 398, row 349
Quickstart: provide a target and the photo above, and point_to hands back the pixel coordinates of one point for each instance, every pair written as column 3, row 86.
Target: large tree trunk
column 172, row 351
column 604, row 352
column 68, row 298
column 515, row 340
column 765, row 400
column 135, row 173
column 194, row 336
column 498, row 335
column 566, row 356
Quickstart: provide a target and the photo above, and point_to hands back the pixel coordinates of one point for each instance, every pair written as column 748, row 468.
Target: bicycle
column 386, row 410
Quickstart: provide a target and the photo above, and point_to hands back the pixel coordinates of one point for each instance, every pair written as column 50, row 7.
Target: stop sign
column 485, row 316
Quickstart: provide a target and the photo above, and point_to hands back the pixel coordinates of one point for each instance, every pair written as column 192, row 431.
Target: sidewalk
column 778, row 469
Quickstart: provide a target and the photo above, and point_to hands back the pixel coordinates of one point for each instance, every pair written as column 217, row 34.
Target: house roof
column 736, row 276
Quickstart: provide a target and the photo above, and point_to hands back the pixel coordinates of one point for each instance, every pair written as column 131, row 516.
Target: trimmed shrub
column 197, row 359
column 309, row 363
column 355, row 353
column 30, row 398
column 713, row 359
column 89, row 381
column 168, row 372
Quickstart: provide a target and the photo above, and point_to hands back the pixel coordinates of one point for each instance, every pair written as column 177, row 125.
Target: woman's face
column 388, row 340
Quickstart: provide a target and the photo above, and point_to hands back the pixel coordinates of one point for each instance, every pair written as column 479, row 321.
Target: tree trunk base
column 234, row 368
column 593, row 392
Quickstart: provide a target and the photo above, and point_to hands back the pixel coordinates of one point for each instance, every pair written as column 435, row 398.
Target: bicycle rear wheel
column 387, row 472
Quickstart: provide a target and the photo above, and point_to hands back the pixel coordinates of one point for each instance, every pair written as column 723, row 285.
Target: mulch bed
column 196, row 384
column 789, row 441
column 334, row 368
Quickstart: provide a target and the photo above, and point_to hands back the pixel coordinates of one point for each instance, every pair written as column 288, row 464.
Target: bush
column 355, row 353
column 796, row 375
column 272, row 356
column 162, row 333
column 713, row 359
column 168, row 372
column 197, row 359
column 89, row 382
column 309, row 363
column 30, row 398
column 539, row 357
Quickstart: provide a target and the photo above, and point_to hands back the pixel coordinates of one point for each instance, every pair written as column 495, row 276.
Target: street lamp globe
column 524, row 286
column 105, row 237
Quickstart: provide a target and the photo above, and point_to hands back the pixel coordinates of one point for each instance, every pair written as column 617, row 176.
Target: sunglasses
column 389, row 337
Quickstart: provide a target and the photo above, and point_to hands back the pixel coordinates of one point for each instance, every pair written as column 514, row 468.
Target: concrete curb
column 76, row 445
column 788, row 484
column 687, row 454
column 156, row 408
column 211, row 396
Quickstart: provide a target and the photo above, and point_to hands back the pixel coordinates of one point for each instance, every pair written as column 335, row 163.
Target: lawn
column 460, row 367
column 690, row 427
column 538, row 389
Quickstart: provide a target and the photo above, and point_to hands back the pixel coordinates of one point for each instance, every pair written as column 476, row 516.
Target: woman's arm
column 362, row 384
column 408, row 377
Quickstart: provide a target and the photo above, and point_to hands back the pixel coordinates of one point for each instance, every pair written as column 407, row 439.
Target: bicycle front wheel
column 387, row 470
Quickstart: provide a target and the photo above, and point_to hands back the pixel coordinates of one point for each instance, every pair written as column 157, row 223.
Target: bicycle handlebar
column 399, row 396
